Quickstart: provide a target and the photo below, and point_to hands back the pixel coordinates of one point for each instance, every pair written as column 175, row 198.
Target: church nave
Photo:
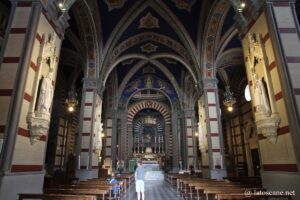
column 88, row 88
column 154, row 190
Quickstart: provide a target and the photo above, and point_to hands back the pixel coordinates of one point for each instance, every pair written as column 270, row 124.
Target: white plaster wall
column 26, row 153
column 284, row 17
column 21, row 17
column 7, row 76
column 21, row 183
column 211, row 98
column 3, row 109
column 86, row 126
column 13, row 49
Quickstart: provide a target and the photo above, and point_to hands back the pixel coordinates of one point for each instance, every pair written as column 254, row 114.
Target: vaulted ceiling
column 164, row 35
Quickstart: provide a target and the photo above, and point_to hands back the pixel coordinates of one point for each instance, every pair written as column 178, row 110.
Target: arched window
column 247, row 93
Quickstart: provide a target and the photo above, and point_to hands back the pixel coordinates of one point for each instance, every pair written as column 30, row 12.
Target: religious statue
column 50, row 59
column 120, row 166
column 49, row 51
column 260, row 95
column 148, row 81
column 46, row 94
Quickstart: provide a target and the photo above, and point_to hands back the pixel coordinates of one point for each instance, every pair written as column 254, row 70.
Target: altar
column 153, row 170
column 148, row 156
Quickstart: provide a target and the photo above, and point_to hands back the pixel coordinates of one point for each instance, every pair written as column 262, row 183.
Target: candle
column 79, row 162
column 87, row 162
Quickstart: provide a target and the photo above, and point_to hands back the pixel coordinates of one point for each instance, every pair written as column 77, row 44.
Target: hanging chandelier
column 229, row 99
column 72, row 101
column 242, row 5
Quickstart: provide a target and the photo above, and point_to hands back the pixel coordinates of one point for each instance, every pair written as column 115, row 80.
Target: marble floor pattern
column 154, row 190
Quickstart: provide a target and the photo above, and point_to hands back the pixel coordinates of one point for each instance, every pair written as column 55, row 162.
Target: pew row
column 23, row 196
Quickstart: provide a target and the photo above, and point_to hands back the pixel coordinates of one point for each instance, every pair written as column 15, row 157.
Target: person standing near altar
column 140, row 180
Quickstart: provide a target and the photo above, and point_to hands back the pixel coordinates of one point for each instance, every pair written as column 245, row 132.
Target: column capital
column 188, row 112
column 58, row 13
column 95, row 84
column 210, row 83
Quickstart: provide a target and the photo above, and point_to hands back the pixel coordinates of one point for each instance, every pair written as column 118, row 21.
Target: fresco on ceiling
column 112, row 4
column 148, row 81
column 149, row 22
column 184, row 4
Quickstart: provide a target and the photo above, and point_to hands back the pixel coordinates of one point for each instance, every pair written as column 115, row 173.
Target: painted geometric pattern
column 184, row 4
column 112, row 4
column 149, row 22
column 149, row 104
column 149, row 48
column 149, row 82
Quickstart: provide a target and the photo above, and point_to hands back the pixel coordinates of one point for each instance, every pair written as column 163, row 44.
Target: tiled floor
column 155, row 190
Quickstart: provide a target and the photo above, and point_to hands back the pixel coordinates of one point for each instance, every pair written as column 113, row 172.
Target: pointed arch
column 160, row 107
column 163, row 10
column 209, row 40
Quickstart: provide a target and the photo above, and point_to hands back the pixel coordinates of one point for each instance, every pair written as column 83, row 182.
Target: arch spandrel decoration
column 135, row 108
column 149, row 82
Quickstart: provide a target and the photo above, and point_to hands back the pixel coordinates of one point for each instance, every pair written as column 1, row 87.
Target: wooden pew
column 82, row 191
column 107, row 187
column 101, row 183
column 233, row 190
column 187, row 185
column 226, row 196
column 255, row 181
column 56, row 196
column 221, row 189
column 197, row 188
column 104, row 187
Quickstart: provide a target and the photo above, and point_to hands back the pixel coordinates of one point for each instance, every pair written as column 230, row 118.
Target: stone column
column 203, row 141
column 108, row 124
column 113, row 142
column 182, row 139
column 283, row 35
column 87, row 158
column 190, row 137
column 176, row 141
column 214, row 131
column 22, row 67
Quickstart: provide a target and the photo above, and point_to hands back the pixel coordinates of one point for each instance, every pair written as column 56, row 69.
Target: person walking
column 140, row 180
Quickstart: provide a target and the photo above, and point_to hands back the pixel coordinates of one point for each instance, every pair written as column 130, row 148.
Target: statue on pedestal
column 267, row 118
column 260, row 95
column 46, row 94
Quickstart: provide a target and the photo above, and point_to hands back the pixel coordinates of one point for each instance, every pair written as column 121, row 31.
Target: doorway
column 255, row 162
